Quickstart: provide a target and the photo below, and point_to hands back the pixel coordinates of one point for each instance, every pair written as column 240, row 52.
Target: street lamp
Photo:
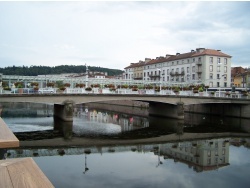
column 87, row 76
column 160, row 72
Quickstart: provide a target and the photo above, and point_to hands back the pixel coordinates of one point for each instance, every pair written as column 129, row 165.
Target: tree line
column 46, row 70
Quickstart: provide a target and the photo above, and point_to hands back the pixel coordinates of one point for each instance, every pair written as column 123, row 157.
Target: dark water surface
column 215, row 162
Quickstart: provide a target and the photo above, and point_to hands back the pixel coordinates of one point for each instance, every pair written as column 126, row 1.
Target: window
column 193, row 68
column 211, row 68
column 225, row 69
column 216, row 152
column 218, row 76
column 223, row 151
column 187, row 69
column 210, row 84
column 218, row 84
column 218, row 68
column 177, row 70
column 199, row 60
column 172, row 63
column 225, row 61
column 193, row 59
column 225, row 84
column 193, row 76
column 218, row 60
column 177, row 62
column 182, row 62
column 168, row 72
column 167, row 78
column 211, row 76
column 211, row 60
column 188, row 60
column 209, row 153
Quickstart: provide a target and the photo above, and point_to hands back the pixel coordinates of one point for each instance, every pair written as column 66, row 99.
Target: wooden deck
column 7, row 138
column 22, row 173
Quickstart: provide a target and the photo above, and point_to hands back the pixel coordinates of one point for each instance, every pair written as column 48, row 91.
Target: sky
column 113, row 34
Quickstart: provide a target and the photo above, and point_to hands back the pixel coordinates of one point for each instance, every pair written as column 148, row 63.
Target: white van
column 46, row 90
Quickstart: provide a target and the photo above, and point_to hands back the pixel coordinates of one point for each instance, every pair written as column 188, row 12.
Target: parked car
column 46, row 90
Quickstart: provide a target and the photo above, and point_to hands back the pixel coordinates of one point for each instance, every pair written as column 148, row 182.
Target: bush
column 88, row 89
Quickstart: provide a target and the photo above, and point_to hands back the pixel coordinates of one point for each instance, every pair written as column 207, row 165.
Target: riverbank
column 96, row 142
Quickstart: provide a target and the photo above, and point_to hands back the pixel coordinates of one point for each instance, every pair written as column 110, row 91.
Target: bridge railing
column 139, row 92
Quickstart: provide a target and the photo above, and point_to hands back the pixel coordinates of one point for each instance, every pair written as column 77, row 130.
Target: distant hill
column 42, row 70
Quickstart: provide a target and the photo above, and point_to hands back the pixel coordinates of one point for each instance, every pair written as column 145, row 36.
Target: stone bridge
column 161, row 105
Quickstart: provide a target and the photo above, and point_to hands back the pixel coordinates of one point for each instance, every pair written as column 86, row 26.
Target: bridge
column 161, row 105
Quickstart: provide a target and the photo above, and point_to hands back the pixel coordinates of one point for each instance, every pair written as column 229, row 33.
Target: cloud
column 114, row 34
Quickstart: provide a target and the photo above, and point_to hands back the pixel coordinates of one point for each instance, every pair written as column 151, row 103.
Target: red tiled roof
column 211, row 52
column 193, row 53
column 237, row 70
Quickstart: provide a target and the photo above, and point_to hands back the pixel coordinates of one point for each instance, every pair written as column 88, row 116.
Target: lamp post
column 160, row 72
column 87, row 76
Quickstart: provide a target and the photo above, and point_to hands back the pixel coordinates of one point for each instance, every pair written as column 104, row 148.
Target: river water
column 214, row 162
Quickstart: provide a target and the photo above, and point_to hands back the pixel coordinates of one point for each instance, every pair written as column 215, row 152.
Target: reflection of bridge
column 200, row 154
column 168, row 105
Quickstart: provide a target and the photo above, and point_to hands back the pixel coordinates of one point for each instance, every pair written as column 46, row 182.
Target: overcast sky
column 114, row 34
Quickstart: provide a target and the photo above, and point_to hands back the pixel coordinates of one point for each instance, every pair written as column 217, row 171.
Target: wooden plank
column 24, row 173
column 7, row 138
column 5, row 180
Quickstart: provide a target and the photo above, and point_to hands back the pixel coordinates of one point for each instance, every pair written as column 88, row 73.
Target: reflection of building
column 202, row 155
column 127, row 122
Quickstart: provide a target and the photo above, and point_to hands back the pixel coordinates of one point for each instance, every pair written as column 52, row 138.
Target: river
column 208, row 162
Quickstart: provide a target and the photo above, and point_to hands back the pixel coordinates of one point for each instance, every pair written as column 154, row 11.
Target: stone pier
column 64, row 111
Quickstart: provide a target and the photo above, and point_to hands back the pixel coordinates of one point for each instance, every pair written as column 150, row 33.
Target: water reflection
column 152, row 163
column 92, row 121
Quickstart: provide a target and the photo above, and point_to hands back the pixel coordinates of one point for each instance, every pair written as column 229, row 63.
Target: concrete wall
column 166, row 110
column 231, row 110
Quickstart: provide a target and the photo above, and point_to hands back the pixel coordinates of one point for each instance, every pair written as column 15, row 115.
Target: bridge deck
column 22, row 173
column 7, row 138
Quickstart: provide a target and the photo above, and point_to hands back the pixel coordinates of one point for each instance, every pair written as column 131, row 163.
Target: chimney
column 192, row 51
column 177, row 53
column 199, row 50
column 147, row 60
column 167, row 56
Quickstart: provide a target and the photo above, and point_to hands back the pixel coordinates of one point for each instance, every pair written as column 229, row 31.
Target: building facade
column 207, row 66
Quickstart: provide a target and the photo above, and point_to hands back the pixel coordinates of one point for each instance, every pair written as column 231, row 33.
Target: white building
column 207, row 66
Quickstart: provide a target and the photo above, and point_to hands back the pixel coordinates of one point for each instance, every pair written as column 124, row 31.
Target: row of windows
column 180, row 62
column 218, row 68
column 211, row 60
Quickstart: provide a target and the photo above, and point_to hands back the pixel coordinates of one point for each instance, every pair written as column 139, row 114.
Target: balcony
column 198, row 63
column 138, row 78
column 154, row 76
column 177, row 73
column 198, row 70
